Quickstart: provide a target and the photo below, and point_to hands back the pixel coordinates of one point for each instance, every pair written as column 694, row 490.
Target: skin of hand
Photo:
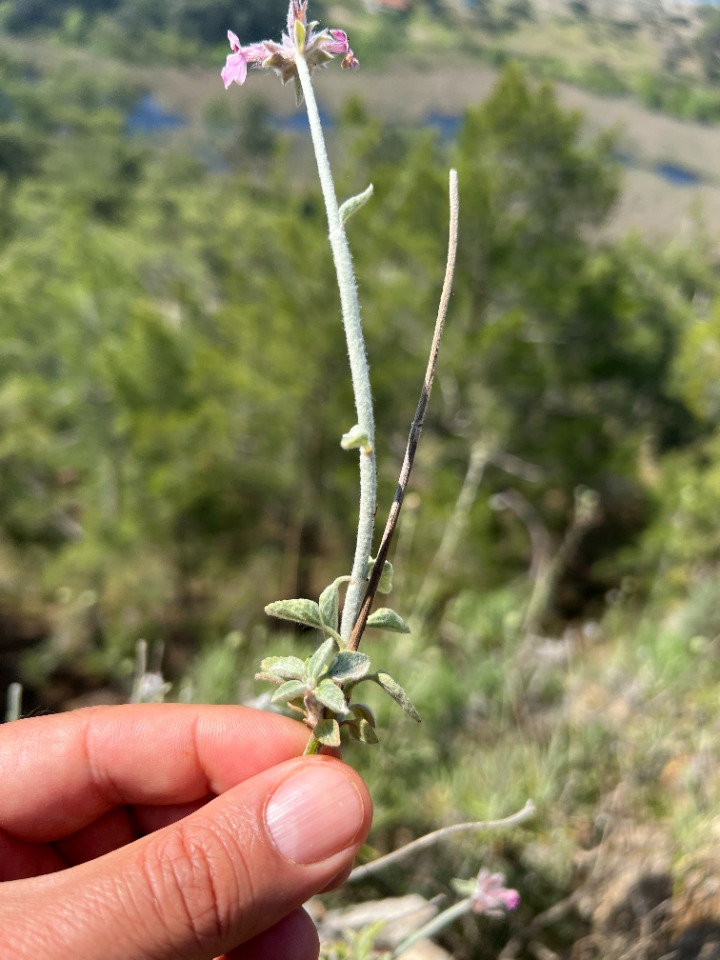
column 169, row 832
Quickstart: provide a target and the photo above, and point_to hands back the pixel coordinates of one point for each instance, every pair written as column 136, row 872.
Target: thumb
column 203, row 885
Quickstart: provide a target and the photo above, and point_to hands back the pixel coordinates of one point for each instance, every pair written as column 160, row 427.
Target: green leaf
column 353, row 204
column 331, row 696
column 356, row 439
column 289, row 691
column 363, row 712
column 299, row 36
column 362, row 732
column 361, row 944
column 387, row 619
column 268, row 678
column 397, row 693
column 287, row 668
column 349, row 665
column 385, row 582
column 306, row 612
column 330, row 604
column 386, row 578
column 320, row 661
column 466, row 888
column 328, row 733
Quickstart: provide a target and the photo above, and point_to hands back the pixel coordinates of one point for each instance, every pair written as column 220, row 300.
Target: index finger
column 61, row 772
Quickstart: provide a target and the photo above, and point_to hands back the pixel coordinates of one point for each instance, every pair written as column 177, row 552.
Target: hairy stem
column 433, row 926
column 14, row 702
column 312, row 747
column 359, row 369
column 360, row 873
column 417, row 424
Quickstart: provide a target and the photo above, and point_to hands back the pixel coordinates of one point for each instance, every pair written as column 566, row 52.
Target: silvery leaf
column 397, row 693
column 331, row 696
column 289, row 668
column 353, row 204
column 292, row 690
column 349, row 665
column 362, row 732
column 330, row 604
column 320, row 661
column 386, row 619
column 328, row 733
column 363, row 712
column 306, row 612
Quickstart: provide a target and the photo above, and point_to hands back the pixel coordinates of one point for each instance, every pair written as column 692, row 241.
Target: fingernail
column 315, row 813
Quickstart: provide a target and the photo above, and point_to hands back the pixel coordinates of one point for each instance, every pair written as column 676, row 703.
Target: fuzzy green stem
column 433, row 926
column 14, row 702
column 359, row 369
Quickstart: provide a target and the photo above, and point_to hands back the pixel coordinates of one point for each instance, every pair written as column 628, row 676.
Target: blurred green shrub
column 171, row 379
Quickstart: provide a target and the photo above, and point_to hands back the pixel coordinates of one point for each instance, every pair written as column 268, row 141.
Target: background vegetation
column 173, row 390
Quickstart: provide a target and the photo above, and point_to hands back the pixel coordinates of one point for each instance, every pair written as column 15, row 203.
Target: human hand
column 169, row 832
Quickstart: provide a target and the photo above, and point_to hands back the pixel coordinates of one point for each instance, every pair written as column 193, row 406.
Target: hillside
column 626, row 64
column 653, row 202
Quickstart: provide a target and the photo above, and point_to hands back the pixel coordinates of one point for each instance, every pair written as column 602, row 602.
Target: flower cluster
column 491, row 896
column 302, row 39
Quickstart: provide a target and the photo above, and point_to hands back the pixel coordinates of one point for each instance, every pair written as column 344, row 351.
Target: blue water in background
column 298, row 122
column 680, row 176
column 149, row 117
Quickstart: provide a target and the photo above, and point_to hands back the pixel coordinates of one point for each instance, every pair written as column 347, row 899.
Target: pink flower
column 491, row 896
column 236, row 65
column 317, row 47
column 339, row 45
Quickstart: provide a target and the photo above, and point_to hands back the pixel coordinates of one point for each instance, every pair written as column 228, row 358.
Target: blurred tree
column 559, row 347
column 173, row 378
column 707, row 45
column 207, row 20
column 579, row 8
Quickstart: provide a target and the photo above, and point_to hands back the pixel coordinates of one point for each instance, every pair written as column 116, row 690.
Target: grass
column 582, row 45
column 630, row 721
column 611, row 731
column 561, row 721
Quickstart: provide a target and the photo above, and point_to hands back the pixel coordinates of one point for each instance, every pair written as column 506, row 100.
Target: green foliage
column 321, row 686
column 218, row 672
column 172, row 399
column 305, row 612
column 135, row 18
column 697, row 366
column 385, row 619
column 707, row 45
column 681, row 543
column 552, row 340
column 598, row 76
column 679, row 98
column 355, row 946
column 156, row 376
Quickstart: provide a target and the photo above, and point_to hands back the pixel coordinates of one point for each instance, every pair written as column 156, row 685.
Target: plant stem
column 417, row 424
column 433, row 926
column 359, row 369
column 14, row 702
column 360, row 873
